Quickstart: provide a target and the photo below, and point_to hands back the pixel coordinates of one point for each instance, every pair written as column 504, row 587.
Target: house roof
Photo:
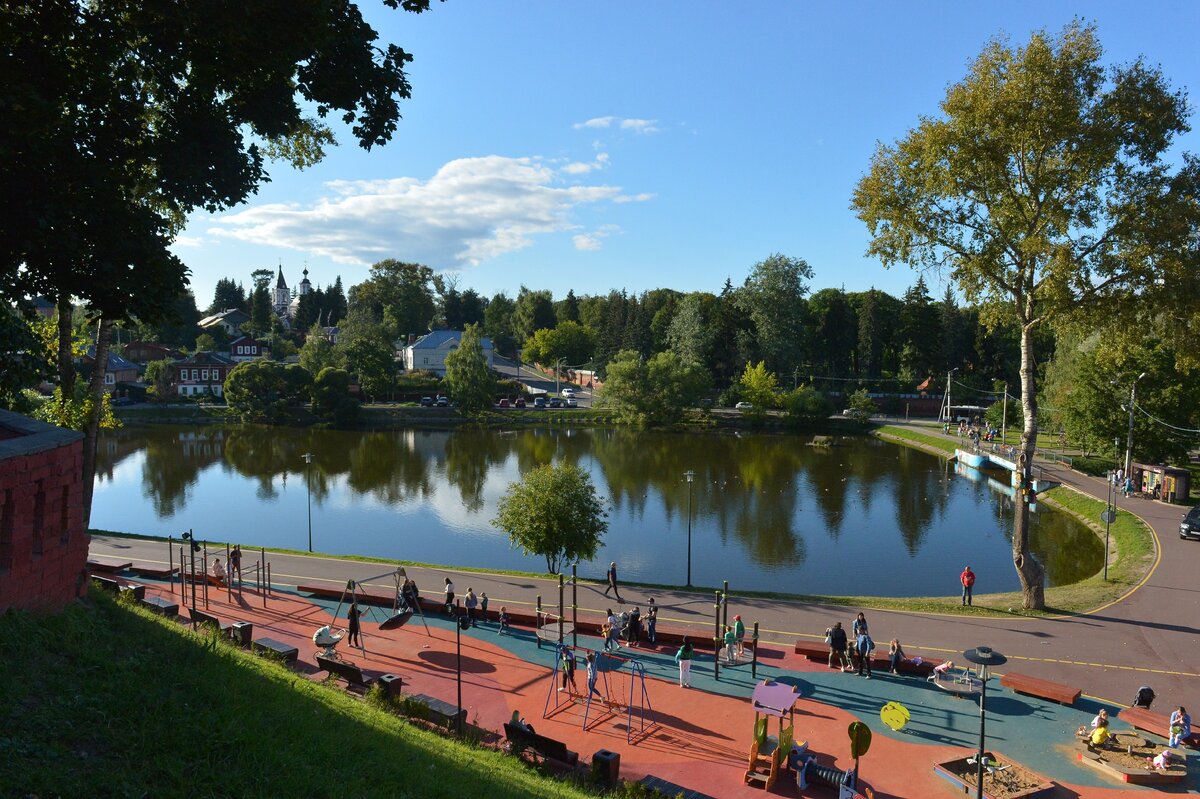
column 233, row 316
column 206, row 358
column 248, row 339
column 115, row 362
column 439, row 338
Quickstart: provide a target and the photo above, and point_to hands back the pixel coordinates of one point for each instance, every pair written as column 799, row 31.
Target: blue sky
column 636, row 145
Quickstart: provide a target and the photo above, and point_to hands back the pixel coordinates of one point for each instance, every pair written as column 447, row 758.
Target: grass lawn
column 108, row 699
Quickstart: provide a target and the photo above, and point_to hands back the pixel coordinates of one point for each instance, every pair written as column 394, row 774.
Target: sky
column 640, row 145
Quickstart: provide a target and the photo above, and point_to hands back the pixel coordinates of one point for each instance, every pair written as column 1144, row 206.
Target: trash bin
column 606, row 767
column 391, row 683
column 242, row 633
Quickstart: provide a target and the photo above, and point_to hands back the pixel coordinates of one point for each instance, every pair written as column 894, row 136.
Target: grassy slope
column 107, row 698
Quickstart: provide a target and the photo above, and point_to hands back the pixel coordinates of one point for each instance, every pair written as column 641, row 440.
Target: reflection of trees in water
column 917, row 490
column 173, row 462
column 392, row 466
column 470, row 454
column 1069, row 551
column 747, row 484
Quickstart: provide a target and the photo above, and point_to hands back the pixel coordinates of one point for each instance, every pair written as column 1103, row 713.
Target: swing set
column 403, row 609
column 624, row 689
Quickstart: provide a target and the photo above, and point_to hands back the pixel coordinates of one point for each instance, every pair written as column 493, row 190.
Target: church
column 283, row 303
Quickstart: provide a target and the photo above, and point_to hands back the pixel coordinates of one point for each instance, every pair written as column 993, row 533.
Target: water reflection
column 769, row 511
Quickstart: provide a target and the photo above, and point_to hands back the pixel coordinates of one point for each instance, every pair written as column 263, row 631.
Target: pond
column 768, row 512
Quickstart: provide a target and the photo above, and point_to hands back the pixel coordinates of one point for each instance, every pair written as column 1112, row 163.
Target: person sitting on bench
column 518, row 720
column 218, row 571
column 1144, row 698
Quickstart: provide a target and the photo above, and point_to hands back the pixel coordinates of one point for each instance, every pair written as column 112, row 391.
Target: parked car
column 442, row 401
column 555, row 402
column 568, row 392
column 744, row 406
column 426, row 402
column 1190, row 526
column 539, row 403
column 520, row 403
column 504, row 403
column 570, row 402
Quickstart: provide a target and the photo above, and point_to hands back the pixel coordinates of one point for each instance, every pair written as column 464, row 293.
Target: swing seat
column 397, row 619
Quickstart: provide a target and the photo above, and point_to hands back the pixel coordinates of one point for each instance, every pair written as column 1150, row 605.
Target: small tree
column 331, row 398
column 554, row 512
column 861, row 406
column 655, row 392
column 158, row 375
column 805, row 405
column 317, row 354
column 206, row 343
column 759, row 387
column 472, row 384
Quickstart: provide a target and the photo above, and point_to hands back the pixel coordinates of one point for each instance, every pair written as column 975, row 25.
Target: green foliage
column 262, row 390
column 331, row 398
column 860, row 406
column 534, row 311
column 654, row 392
column 318, row 353
column 158, row 375
column 773, row 296
column 497, row 324
column 368, row 351
column 570, row 341
column 471, row 382
column 400, row 295
column 805, row 405
column 995, row 413
column 206, row 343
column 759, row 387
column 75, row 411
column 554, row 512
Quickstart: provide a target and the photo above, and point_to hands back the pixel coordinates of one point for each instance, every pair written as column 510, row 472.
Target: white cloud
column 591, row 241
column 582, row 168
column 188, row 241
column 471, row 210
column 633, row 198
column 636, row 125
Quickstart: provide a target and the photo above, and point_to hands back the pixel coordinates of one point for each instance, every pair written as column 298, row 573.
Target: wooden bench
column 201, row 617
column 818, row 652
column 154, row 570
column 1035, row 686
column 1157, row 723
column 288, row 652
column 440, row 712
column 108, row 565
column 161, row 606
column 347, row 671
column 549, row 748
column 671, row 789
column 107, row 583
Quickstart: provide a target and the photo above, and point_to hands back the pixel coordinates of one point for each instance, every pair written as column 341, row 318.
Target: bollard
column 561, row 610
column 754, row 653
column 716, row 635
column 171, row 562
column 574, row 608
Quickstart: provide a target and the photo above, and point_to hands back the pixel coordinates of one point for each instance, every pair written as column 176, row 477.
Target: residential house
column 119, row 369
column 144, row 352
column 202, row 373
column 248, row 348
column 429, row 352
column 231, row 319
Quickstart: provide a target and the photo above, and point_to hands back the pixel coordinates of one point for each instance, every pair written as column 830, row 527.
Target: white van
column 568, row 392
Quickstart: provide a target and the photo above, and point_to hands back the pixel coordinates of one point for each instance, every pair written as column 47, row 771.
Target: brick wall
column 43, row 546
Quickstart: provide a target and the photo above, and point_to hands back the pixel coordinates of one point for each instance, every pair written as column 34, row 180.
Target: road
column 1149, row 637
column 538, row 382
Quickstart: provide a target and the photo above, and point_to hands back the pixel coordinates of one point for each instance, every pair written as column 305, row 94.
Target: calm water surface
column 769, row 512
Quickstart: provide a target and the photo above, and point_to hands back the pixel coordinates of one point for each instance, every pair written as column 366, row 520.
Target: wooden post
column 537, row 621
column 716, row 635
column 228, row 576
column 754, row 654
column 171, row 562
column 574, row 607
column 561, row 610
column 205, row 570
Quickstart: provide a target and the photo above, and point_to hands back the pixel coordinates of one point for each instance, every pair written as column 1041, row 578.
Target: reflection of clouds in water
column 127, row 472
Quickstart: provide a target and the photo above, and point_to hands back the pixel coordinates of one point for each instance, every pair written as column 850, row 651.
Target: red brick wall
column 43, row 546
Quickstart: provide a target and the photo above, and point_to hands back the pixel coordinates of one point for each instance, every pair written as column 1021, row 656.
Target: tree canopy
column 1044, row 191
column 653, row 392
column 471, row 381
column 554, row 512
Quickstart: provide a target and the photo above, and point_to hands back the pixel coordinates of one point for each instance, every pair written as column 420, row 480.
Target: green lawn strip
column 108, row 696
column 923, row 441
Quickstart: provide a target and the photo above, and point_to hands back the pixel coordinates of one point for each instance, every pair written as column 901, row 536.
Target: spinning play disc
column 397, row 620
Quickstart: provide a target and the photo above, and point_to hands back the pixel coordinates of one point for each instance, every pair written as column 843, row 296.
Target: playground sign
column 860, row 739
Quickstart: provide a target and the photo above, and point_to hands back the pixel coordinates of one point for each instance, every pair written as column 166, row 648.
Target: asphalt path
column 537, row 381
column 1149, row 637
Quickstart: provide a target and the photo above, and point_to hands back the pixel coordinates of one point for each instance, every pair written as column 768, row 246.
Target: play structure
column 769, row 753
column 552, row 628
column 621, row 682
column 404, row 607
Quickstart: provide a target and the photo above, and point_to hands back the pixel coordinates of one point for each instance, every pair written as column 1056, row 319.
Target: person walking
column 503, row 619
column 612, row 629
column 730, row 643
column 651, row 622
column 864, row 646
column 684, row 658
column 235, row 563
column 967, row 578
column 449, row 596
column 837, row 647
column 612, row 582
column 739, row 632
column 472, row 602
column 352, row 616
column 483, row 602
column 859, row 627
column 1180, row 726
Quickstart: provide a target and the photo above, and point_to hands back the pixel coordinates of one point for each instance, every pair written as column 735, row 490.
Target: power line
column 1155, row 419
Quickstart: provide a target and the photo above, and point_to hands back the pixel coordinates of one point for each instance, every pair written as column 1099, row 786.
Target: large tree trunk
column 66, row 362
column 1032, row 574
column 91, row 431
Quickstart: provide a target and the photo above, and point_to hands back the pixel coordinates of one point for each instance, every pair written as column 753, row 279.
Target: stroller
column 1144, row 698
column 327, row 638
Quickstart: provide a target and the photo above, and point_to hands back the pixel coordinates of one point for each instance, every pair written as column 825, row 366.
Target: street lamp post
column 308, row 459
column 984, row 657
column 690, row 475
column 1129, row 437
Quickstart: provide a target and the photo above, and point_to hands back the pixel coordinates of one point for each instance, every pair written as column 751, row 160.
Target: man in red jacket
column 967, row 578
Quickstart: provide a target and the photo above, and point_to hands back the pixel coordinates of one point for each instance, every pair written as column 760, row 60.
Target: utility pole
column 1129, row 437
column 948, row 376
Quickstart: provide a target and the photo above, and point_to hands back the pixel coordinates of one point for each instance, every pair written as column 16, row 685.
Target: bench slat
column 1045, row 689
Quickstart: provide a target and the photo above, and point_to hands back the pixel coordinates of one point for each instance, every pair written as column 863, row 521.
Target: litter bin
column 242, row 633
column 392, row 683
column 606, row 767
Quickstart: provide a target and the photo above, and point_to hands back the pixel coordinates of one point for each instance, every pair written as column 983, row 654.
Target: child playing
column 503, row 621
column 730, row 644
